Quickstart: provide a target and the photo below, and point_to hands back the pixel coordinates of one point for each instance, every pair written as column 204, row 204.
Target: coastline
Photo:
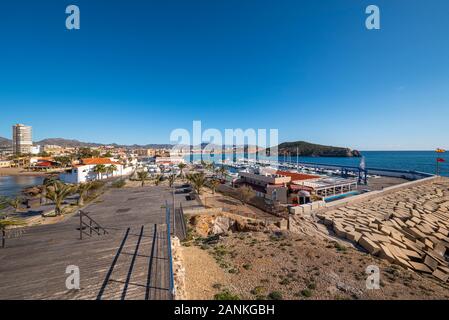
column 21, row 172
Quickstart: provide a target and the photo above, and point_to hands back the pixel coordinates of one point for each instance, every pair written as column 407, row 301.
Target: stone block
column 386, row 254
column 419, row 267
column 440, row 275
column 369, row 245
column 431, row 262
column 353, row 236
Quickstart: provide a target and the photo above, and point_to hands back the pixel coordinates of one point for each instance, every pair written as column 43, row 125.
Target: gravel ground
column 291, row 266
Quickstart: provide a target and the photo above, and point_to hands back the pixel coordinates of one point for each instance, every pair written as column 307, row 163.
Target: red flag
column 441, row 160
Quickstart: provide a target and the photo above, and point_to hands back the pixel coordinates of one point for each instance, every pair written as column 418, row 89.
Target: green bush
column 226, row 295
column 119, row 184
column 306, row 293
column 275, row 295
column 258, row 291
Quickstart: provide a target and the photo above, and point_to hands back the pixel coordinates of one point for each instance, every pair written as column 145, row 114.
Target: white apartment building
column 22, row 139
column 85, row 171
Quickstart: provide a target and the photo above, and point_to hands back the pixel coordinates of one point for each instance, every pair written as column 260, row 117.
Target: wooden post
column 90, row 227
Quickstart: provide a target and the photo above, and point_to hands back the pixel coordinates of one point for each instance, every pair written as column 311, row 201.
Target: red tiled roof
column 97, row 161
column 45, row 164
column 297, row 176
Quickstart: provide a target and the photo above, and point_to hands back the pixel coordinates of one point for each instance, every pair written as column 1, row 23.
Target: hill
column 306, row 149
column 5, row 142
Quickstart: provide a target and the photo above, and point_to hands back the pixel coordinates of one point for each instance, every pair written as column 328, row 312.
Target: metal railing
column 3, row 238
column 170, row 256
column 9, row 234
column 182, row 222
column 91, row 225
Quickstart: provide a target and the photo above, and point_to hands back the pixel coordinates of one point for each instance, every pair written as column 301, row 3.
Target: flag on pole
column 362, row 165
column 439, row 150
column 441, row 160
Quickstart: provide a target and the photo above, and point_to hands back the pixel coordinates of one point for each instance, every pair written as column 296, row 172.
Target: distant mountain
column 315, row 150
column 70, row 143
column 75, row 143
column 66, row 143
column 304, row 148
column 5, row 142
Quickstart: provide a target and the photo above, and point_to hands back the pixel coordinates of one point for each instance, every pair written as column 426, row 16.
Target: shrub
column 275, row 295
column 258, row 291
column 217, row 286
column 119, row 184
column 306, row 293
column 226, row 295
column 340, row 247
column 312, row 286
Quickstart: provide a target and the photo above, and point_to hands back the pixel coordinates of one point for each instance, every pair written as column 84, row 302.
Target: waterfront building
column 5, row 164
column 294, row 188
column 169, row 160
column 22, row 139
column 85, row 171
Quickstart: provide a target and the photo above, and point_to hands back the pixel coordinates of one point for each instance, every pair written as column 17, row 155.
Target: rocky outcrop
column 223, row 223
column 306, row 149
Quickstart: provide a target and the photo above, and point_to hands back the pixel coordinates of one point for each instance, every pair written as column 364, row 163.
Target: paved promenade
column 130, row 262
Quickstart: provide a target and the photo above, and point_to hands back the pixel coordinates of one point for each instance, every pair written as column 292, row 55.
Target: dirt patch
column 281, row 265
column 204, row 278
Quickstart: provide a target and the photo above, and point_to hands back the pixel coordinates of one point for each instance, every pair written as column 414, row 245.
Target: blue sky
column 139, row 69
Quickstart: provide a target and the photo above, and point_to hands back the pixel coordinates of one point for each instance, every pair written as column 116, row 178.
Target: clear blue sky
column 138, row 69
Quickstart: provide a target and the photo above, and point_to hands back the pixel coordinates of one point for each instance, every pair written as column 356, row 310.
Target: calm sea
column 11, row 186
column 423, row 161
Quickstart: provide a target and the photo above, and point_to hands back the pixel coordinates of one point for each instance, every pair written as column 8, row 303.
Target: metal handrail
column 183, row 222
column 5, row 234
column 92, row 225
column 170, row 257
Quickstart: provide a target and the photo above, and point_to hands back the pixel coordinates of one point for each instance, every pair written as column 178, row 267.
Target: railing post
column 81, row 225
column 170, row 258
column 3, row 238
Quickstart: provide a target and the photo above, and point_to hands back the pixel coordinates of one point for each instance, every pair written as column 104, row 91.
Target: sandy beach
column 20, row 172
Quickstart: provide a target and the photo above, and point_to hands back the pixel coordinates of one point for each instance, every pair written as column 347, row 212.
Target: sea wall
column 379, row 193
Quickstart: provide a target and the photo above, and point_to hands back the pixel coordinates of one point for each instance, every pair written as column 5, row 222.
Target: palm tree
column 223, row 172
column 83, row 189
column 214, row 183
column 15, row 203
column 4, row 202
column 209, row 166
column 198, row 180
column 172, row 180
column 47, row 182
column 158, row 179
column 143, row 175
column 57, row 193
column 99, row 169
column 246, row 193
column 181, row 167
column 111, row 169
